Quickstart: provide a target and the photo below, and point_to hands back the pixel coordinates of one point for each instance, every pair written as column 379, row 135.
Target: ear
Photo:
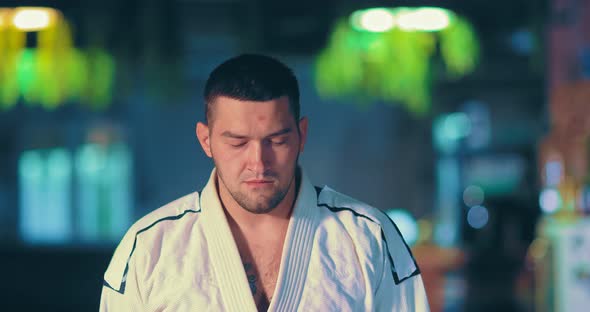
column 204, row 138
column 302, row 133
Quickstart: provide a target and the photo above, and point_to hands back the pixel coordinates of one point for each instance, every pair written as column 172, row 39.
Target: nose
column 258, row 157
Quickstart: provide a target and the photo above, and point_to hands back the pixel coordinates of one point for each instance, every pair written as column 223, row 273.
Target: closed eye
column 276, row 141
column 237, row 144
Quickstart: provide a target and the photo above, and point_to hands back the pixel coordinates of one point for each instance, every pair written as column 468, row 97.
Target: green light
column 77, row 74
column 459, row 47
column 42, row 80
column 26, row 75
column 385, row 54
column 11, row 45
column 54, row 72
column 100, row 83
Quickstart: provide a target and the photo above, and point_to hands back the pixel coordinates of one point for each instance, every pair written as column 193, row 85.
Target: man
column 260, row 236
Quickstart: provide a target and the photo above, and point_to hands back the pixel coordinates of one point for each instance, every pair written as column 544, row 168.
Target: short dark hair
column 252, row 77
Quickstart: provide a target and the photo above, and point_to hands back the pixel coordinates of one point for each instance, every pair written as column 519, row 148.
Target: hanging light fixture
column 53, row 72
column 385, row 54
column 34, row 19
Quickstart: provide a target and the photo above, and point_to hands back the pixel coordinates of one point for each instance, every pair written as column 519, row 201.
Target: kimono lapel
column 224, row 254
column 227, row 263
column 297, row 249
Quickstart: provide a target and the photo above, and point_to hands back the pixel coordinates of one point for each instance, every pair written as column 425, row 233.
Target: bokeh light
column 553, row 172
column 477, row 217
column 550, row 200
column 406, row 223
column 33, row 19
column 423, row 19
column 364, row 47
column 473, row 196
column 376, row 20
column 456, row 126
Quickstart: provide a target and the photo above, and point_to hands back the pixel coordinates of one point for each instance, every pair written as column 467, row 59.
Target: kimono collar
column 226, row 260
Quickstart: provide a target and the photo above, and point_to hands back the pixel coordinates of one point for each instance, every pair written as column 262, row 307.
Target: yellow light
column 423, row 19
column 377, row 20
column 33, row 18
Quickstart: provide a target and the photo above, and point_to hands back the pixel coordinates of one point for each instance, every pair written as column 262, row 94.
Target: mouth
column 255, row 183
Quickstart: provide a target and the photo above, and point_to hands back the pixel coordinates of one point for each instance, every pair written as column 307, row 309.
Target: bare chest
column 265, row 269
column 262, row 265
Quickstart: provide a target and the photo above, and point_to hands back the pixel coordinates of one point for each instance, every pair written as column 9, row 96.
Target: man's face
column 255, row 147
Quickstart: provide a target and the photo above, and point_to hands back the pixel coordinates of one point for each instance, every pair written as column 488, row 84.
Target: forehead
column 229, row 111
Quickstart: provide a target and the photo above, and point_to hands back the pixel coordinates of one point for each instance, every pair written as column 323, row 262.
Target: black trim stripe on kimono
column 121, row 289
column 396, row 278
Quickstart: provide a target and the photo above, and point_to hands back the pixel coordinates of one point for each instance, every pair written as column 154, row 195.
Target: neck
column 248, row 221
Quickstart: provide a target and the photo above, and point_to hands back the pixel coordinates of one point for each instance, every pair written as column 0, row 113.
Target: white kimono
column 339, row 255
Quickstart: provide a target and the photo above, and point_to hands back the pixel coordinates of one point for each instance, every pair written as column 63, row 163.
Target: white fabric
column 339, row 255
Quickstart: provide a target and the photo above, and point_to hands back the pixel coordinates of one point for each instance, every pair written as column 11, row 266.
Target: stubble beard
column 259, row 204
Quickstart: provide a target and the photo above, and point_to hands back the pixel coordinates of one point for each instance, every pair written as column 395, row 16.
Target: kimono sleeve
column 121, row 290
column 406, row 296
column 400, row 287
column 113, row 301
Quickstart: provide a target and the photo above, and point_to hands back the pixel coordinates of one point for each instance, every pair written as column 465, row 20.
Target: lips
column 258, row 182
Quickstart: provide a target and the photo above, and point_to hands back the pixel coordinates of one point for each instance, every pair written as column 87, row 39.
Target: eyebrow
column 229, row 134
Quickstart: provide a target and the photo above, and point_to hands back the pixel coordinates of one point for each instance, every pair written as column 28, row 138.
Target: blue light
column 406, row 223
column 119, row 178
column 553, row 172
column 448, row 129
column 522, row 42
column 445, row 234
column 59, row 220
column 89, row 162
column 45, row 206
column 477, row 217
column 31, row 176
column 550, row 200
column 105, row 191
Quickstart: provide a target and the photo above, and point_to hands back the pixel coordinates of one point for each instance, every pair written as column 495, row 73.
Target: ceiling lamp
column 52, row 71
column 34, row 19
column 385, row 54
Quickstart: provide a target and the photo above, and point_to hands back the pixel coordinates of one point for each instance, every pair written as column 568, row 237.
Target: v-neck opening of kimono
column 227, row 263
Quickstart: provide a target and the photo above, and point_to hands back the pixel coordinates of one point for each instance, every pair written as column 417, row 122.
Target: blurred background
column 469, row 124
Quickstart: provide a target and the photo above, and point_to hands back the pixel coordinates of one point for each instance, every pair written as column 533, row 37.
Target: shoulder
column 175, row 210
column 165, row 219
column 342, row 205
column 361, row 219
